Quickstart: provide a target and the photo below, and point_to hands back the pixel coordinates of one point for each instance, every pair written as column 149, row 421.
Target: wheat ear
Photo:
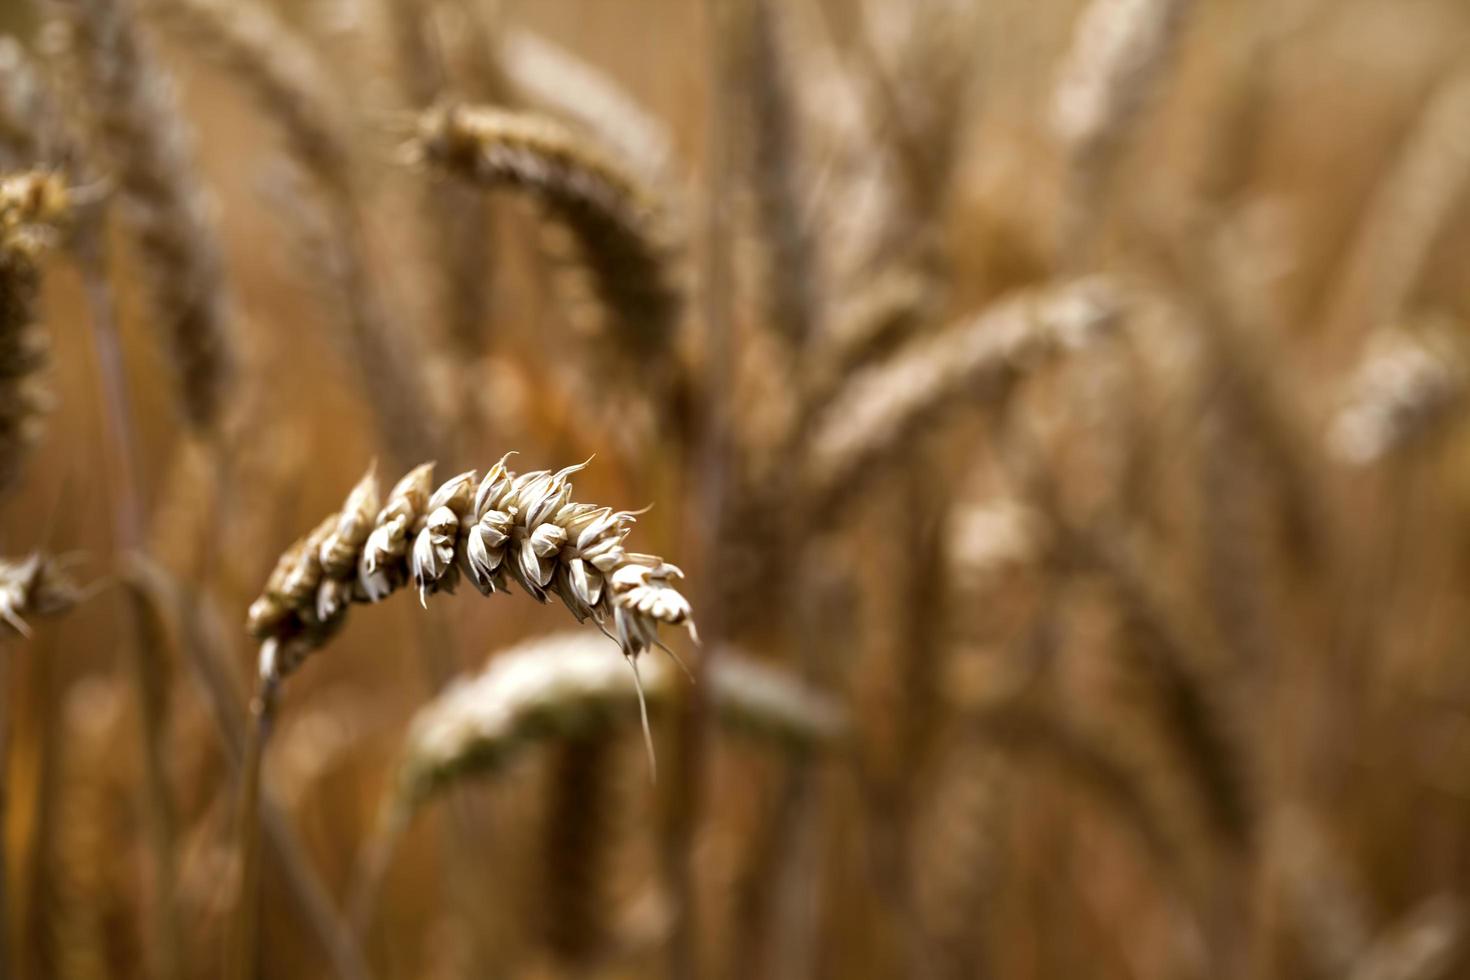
column 502, row 529
column 146, row 144
column 564, row 686
column 875, row 414
column 31, row 207
column 623, row 235
column 285, row 77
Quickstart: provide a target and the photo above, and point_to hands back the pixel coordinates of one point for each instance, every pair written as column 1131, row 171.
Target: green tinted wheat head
column 497, row 530
column 31, row 205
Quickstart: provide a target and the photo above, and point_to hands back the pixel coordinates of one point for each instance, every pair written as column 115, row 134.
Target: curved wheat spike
column 558, row 82
column 502, row 529
column 145, row 143
column 564, row 686
column 623, row 235
column 1119, row 50
column 294, row 91
column 878, row 411
column 1407, row 387
column 32, row 207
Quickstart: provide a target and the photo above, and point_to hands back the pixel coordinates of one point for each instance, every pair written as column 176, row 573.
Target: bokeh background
column 1149, row 657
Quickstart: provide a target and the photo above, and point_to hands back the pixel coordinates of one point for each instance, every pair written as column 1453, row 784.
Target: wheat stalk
column 623, row 234
column 146, row 144
column 284, row 76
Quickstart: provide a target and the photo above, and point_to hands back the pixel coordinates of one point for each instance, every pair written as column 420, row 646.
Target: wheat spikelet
column 879, row 409
column 37, row 585
column 622, row 234
column 556, row 81
column 1408, row 386
column 295, row 92
column 146, row 144
column 513, row 528
column 31, row 207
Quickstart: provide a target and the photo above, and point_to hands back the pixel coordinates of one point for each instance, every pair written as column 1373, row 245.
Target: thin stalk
column 241, row 961
column 220, row 690
column 6, row 672
column 127, row 532
column 692, row 715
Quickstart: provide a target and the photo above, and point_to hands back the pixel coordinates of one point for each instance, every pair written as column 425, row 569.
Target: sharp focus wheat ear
column 622, row 234
column 502, row 529
column 1406, row 388
column 878, row 410
column 146, row 143
column 31, row 206
column 285, row 77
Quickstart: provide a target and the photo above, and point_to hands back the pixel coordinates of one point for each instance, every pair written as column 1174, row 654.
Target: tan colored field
column 1026, row 532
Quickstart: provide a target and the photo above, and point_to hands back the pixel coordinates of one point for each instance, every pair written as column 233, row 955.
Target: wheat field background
column 1027, row 510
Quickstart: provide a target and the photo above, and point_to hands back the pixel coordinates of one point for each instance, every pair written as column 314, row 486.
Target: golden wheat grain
column 501, row 529
column 878, row 410
column 32, row 206
column 624, row 236
column 145, row 143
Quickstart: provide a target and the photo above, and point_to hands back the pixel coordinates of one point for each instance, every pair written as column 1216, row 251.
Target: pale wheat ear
column 643, row 719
